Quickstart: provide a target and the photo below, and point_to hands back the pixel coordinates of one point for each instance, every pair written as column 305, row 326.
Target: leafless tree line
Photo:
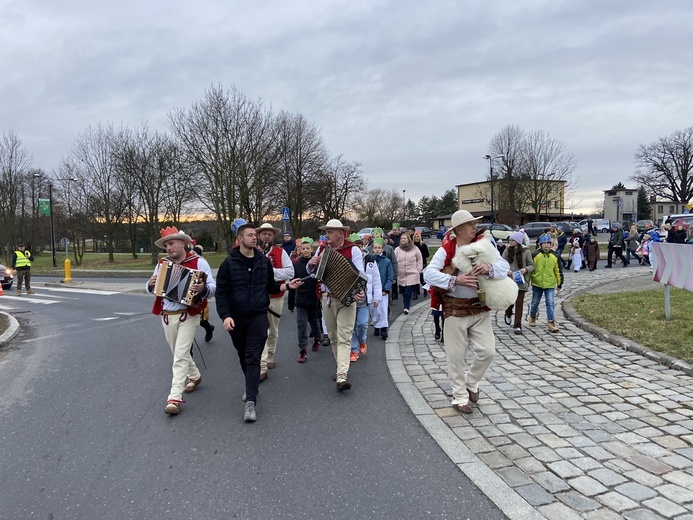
column 530, row 171
column 226, row 155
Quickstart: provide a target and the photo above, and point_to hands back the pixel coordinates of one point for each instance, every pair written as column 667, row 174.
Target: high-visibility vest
column 22, row 259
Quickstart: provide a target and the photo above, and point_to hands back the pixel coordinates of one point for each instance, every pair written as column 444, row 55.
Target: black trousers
column 249, row 337
column 618, row 251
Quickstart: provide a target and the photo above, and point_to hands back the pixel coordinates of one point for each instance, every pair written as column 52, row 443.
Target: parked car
column 441, row 232
column 365, row 231
column 568, row 227
column 642, row 225
column 425, row 232
column 534, row 229
column 7, row 277
column 499, row 231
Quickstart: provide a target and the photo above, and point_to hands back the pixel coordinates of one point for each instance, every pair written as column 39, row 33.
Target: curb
column 11, row 331
column 484, row 478
column 619, row 341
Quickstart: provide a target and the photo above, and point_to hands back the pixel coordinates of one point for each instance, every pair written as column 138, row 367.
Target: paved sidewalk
column 567, row 426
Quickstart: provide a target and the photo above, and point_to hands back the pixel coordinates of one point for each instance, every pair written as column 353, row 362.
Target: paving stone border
column 568, row 425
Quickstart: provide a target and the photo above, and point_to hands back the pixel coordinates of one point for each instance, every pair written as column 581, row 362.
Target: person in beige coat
column 410, row 264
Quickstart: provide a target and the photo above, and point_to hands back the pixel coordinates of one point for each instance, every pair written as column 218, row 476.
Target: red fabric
column 190, row 261
column 450, row 246
column 275, row 258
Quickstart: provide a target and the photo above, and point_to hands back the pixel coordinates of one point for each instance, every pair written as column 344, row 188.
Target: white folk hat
column 269, row 226
column 334, row 224
column 462, row 216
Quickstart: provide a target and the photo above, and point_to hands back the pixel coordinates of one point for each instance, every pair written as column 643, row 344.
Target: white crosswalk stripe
column 78, row 291
column 33, row 300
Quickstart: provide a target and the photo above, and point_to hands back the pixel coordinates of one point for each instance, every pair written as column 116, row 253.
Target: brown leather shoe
column 473, row 396
column 263, row 376
column 172, row 408
column 271, row 364
column 463, row 408
column 192, row 384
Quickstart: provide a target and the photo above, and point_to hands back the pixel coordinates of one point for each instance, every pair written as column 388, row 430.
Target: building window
column 629, row 193
column 610, row 193
column 555, row 205
column 660, row 209
column 671, row 209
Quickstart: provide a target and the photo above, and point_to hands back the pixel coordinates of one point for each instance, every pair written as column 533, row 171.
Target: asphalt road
column 84, row 435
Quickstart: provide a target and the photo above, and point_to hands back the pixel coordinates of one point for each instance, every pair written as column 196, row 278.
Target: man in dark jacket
column 305, row 300
column 244, row 282
column 562, row 242
column 615, row 246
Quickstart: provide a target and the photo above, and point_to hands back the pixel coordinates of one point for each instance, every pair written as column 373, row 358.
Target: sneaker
column 607, row 267
column 552, row 326
column 302, row 355
column 363, row 348
column 532, row 321
column 172, row 408
column 316, row 344
column 376, row 332
column 342, row 382
column 250, row 415
column 354, row 356
column 245, row 397
column 507, row 317
column 325, row 341
column 437, row 335
column 518, row 330
column 192, row 384
column 406, row 311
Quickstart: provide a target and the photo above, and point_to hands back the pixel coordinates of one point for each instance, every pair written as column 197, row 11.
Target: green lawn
column 639, row 316
column 43, row 264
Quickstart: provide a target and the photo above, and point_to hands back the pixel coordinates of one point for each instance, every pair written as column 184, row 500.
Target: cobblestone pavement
column 567, row 426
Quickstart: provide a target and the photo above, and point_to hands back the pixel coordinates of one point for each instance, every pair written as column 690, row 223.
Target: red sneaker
column 363, row 348
column 302, row 355
column 354, row 357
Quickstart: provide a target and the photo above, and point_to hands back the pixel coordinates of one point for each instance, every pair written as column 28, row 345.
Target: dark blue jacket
column 387, row 275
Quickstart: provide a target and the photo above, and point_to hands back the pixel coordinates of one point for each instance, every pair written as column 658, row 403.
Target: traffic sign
column 285, row 214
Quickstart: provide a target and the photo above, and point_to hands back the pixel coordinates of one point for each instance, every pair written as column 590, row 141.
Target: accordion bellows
column 340, row 276
column 173, row 283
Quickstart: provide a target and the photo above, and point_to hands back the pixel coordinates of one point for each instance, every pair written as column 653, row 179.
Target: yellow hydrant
column 68, row 271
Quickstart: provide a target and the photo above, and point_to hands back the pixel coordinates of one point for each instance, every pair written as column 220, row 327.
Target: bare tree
column 546, row 167
column 107, row 203
column 72, row 214
column 507, row 153
column 340, row 181
column 665, row 167
column 302, row 156
column 14, row 164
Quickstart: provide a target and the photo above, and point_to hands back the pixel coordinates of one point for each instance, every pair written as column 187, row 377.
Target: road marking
column 30, row 299
column 126, row 313
column 105, row 319
column 80, row 291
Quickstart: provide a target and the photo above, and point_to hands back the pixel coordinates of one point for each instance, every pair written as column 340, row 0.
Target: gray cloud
column 415, row 91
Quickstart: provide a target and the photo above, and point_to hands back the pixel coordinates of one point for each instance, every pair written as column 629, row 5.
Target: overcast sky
column 413, row 90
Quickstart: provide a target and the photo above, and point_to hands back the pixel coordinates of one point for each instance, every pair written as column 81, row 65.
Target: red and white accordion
column 174, row 280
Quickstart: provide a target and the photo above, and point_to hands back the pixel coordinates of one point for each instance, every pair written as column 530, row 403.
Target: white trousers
column 459, row 332
column 180, row 333
column 276, row 305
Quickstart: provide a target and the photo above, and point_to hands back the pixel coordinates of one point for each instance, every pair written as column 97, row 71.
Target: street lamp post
column 404, row 205
column 490, row 159
column 50, row 207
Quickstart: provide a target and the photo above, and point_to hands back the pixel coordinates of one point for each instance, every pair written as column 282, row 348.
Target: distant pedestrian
column 389, row 252
column 521, row 264
column 592, row 253
column 387, row 276
column 305, row 301
column 679, row 235
column 576, row 255
column 289, row 245
column 615, row 246
column 423, row 248
column 545, row 279
column 21, row 263
column 374, row 295
column 410, row 266
column 204, row 319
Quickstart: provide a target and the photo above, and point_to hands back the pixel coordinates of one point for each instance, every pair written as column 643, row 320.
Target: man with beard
column 283, row 271
column 180, row 321
column 339, row 318
column 245, row 281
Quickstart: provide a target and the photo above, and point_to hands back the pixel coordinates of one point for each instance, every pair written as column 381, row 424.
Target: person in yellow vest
column 21, row 262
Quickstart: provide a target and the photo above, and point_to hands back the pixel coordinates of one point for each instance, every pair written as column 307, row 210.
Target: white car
column 365, row 231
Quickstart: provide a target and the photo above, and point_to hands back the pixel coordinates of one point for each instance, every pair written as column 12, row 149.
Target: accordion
column 340, row 276
column 173, row 283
